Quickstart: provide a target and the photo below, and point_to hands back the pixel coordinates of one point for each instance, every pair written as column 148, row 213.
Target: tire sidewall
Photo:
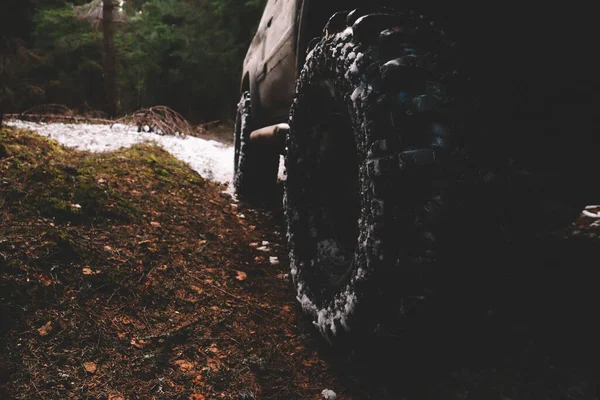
column 243, row 127
column 350, row 310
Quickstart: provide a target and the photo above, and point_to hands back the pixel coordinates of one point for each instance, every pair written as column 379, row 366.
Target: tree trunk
column 110, row 63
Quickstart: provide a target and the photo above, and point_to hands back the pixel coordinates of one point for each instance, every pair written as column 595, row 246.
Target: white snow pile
column 328, row 394
column 211, row 159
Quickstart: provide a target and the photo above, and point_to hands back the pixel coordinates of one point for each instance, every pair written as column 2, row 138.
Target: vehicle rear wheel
column 255, row 167
column 374, row 160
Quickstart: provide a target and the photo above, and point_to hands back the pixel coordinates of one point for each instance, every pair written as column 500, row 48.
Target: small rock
column 329, row 394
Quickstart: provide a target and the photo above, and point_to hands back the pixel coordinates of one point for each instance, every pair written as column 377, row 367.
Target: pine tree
column 110, row 59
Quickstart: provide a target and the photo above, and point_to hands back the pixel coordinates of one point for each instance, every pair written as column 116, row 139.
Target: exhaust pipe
column 273, row 136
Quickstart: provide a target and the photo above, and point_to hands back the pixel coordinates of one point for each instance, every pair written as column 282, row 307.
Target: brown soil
column 126, row 275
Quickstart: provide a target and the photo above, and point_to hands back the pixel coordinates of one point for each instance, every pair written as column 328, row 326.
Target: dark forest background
column 184, row 54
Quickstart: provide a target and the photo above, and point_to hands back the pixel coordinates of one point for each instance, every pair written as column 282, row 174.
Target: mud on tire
column 255, row 168
column 374, row 157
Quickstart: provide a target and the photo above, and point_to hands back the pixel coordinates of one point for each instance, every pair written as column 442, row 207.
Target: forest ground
column 125, row 275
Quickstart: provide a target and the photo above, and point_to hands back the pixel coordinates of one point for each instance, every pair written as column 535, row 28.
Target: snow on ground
column 211, row 159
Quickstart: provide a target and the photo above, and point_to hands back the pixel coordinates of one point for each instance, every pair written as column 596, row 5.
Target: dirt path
column 125, row 275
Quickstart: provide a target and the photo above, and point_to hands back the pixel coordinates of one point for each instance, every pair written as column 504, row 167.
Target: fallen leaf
column 90, row 367
column 212, row 364
column 87, row 271
column 184, row 365
column 115, row 397
column 46, row 281
column 284, row 277
column 241, row 276
column 310, row 362
column 197, row 397
column 254, row 244
column 138, row 343
column 46, row 329
column 197, row 289
column 155, row 224
column 213, row 348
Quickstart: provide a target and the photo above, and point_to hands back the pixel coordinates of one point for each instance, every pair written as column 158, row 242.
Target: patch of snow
column 211, row 159
column 274, row 260
column 361, row 92
column 328, row 394
column 281, row 174
column 347, row 32
column 590, row 214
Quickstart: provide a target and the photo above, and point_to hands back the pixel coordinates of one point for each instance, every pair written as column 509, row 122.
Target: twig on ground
column 160, row 119
column 178, row 331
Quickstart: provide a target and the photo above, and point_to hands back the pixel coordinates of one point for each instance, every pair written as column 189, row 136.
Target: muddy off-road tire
column 375, row 162
column 254, row 167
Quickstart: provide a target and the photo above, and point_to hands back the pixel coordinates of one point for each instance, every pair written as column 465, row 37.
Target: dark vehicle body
column 534, row 65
